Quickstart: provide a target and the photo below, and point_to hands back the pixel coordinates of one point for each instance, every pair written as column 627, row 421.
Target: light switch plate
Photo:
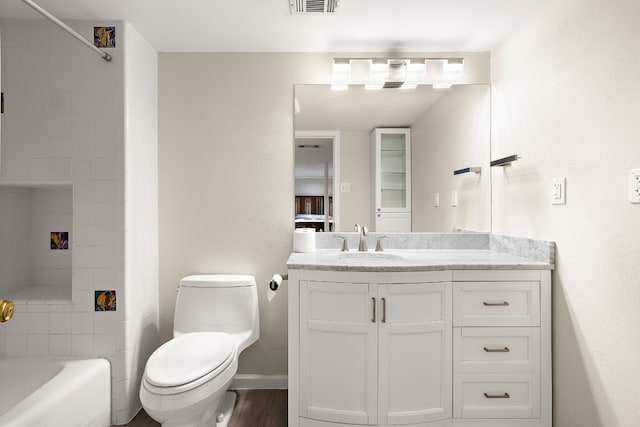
column 558, row 191
column 634, row 186
column 345, row 187
column 454, row 198
column 436, row 199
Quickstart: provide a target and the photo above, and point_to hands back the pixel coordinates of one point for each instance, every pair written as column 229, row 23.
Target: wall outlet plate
column 558, row 191
column 634, row 186
column 454, row 198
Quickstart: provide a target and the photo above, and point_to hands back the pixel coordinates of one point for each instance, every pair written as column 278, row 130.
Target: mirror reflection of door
column 314, row 181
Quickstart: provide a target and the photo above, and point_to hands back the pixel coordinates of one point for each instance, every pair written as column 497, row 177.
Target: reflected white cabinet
column 374, row 353
column 391, row 179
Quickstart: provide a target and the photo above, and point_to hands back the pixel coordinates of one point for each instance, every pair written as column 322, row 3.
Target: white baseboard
column 257, row 382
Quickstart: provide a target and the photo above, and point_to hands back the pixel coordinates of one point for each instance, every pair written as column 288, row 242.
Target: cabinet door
column 338, row 352
column 414, row 353
column 391, row 166
column 393, row 222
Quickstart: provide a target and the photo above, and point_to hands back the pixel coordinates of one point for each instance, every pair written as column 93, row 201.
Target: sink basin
column 369, row 256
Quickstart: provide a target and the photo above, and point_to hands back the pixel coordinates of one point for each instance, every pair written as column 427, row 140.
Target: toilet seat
column 188, row 361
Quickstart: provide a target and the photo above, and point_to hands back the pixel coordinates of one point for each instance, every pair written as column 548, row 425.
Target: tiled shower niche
column 35, row 243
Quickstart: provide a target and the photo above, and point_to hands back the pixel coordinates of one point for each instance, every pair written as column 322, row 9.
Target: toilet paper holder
column 276, row 281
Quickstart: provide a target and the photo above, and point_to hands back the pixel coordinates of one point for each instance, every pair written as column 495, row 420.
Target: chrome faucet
column 362, row 246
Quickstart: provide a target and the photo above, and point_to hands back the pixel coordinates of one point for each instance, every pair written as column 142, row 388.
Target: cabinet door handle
column 496, row 304
column 497, row 350
column 373, row 319
column 497, row 396
column 384, row 310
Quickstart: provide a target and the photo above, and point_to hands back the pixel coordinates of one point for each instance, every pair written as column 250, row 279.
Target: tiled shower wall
column 64, row 123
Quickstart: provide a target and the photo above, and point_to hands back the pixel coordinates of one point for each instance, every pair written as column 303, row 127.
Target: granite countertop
column 413, row 260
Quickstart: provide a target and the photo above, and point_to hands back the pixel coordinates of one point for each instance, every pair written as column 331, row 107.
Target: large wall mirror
column 449, row 131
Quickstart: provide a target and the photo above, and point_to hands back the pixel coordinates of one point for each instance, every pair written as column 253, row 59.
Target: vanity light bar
column 474, row 169
column 505, row 161
column 379, row 71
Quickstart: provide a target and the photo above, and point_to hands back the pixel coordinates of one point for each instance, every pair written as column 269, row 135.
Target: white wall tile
column 83, row 279
column 60, row 345
column 59, row 125
column 14, row 36
column 37, row 308
column 58, row 101
column 82, row 323
column 18, row 323
column 105, row 345
column 37, row 323
column 82, row 102
column 105, row 190
column 106, row 323
column 82, row 345
column 38, row 345
column 83, row 257
column 16, row 345
column 60, row 323
column 83, row 300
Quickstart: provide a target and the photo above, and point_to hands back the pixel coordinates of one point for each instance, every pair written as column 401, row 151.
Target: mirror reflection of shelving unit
column 36, row 223
column 391, row 167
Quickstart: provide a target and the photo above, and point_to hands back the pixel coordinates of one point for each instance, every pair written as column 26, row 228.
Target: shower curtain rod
column 67, row 28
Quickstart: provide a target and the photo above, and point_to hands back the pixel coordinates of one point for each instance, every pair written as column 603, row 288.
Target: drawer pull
column 384, row 310
column 497, row 396
column 373, row 319
column 496, row 304
column 497, row 350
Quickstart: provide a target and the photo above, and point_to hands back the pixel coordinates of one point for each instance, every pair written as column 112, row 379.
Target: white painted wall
column 566, row 99
column 355, row 206
column 454, row 133
column 226, row 175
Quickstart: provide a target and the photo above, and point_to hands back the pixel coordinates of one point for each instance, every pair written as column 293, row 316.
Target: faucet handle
column 357, row 228
column 365, row 232
column 379, row 244
column 345, row 245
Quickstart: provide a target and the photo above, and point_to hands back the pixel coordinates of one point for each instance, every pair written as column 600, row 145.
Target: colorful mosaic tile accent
column 105, row 300
column 104, row 36
column 59, row 240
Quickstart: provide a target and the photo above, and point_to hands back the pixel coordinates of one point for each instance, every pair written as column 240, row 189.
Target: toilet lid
column 188, row 357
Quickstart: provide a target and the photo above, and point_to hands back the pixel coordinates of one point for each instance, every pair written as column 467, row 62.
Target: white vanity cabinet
column 453, row 348
column 374, row 349
column 391, row 179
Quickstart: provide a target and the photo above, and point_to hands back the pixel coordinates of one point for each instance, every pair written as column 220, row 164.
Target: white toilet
column 185, row 381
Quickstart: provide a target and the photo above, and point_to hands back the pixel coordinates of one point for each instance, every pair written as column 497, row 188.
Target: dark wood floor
column 264, row 408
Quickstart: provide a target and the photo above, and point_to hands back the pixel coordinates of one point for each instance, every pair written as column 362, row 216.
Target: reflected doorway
column 316, row 180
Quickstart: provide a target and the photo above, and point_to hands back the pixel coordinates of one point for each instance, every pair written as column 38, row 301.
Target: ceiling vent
column 313, row 6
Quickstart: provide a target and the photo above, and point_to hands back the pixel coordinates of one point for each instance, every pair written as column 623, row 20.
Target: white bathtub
column 46, row 392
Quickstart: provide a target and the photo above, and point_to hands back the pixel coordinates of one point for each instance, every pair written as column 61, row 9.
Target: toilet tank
column 218, row 303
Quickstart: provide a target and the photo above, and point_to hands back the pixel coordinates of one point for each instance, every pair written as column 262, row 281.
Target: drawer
column 496, row 304
column 496, row 349
column 496, row 396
